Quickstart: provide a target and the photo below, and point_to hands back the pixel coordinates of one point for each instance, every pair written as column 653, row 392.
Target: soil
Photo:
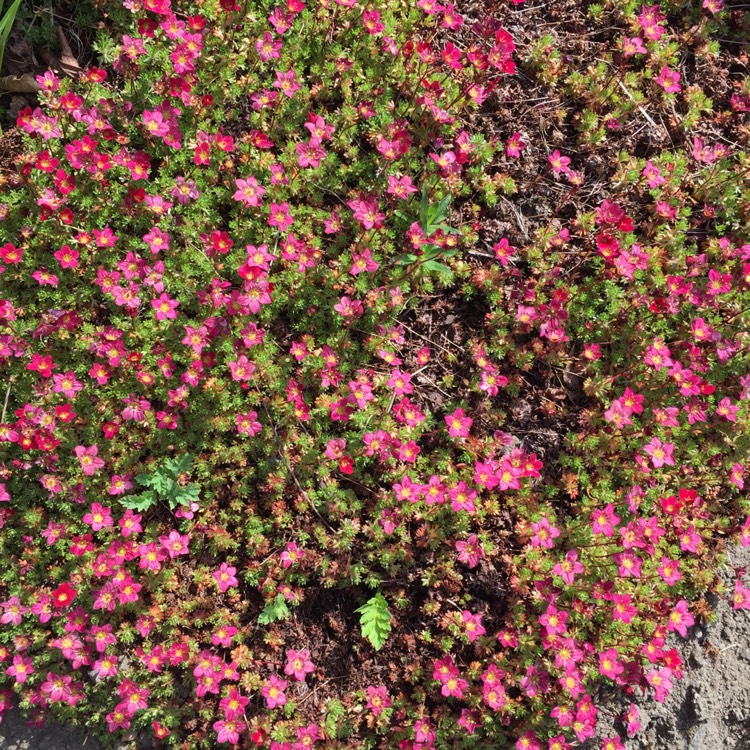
column 709, row 709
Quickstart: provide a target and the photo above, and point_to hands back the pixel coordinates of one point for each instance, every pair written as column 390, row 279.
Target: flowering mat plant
column 373, row 375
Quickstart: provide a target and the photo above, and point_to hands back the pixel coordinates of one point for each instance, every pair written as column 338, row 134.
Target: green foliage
column 274, row 610
column 375, row 620
column 166, row 484
column 7, row 18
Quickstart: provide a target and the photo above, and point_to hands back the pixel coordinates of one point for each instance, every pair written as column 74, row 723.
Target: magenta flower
column 661, row 453
column 472, row 625
column 458, row 423
column 273, row 692
column 88, row 458
column 67, row 384
column 349, row 308
column 248, row 424
column 56, row 687
column 119, row 485
column 233, row 704
column 623, row 608
column 544, row 534
column 298, row 664
column 242, row 369
column 470, row 551
column 378, row 699
column 175, row 544
column 568, row 568
column 98, row 517
column 680, row 618
column 669, row 80
column 279, row 216
column 165, row 308
column 554, row 620
column 669, row 570
column 249, row 192
column 21, row 669
column 225, row 577
column 291, row 555
column 462, row 498
column 287, row 83
column 227, row 730
column 604, row 521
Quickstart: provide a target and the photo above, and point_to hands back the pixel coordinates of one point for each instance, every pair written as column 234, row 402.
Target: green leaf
column 6, row 24
column 375, row 620
column 145, row 479
column 139, row 502
column 179, row 465
column 274, row 610
column 439, row 268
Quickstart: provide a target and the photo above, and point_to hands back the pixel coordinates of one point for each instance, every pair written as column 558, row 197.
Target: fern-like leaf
column 375, row 620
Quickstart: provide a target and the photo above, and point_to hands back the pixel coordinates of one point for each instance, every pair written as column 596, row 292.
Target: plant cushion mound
column 372, row 376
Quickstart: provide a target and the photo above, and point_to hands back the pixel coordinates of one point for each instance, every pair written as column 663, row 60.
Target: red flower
column 63, row 595
column 346, row 465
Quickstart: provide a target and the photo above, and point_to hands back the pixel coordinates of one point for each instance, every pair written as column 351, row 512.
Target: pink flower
column 273, row 692
column 604, row 521
column 554, row 620
column 88, row 458
column 98, row 517
column 736, row 477
column 21, row 669
column 661, row 453
column 225, row 577
column 515, row 145
column 633, row 46
column 175, row 544
column 401, row 187
column 472, row 625
column 249, row 191
column 660, row 681
column 310, row 153
column 631, row 719
column 610, row 664
column 470, row 551
column 233, row 705
column 680, row 618
column 559, row 163
column 242, row 369
column 458, row 423
column 56, row 687
column 669, row 570
column 247, row 424
column 544, row 534
column 291, row 555
column 367, row 212
column 349, row 308
column 227, row 730
column 67, row 384
column 378, row 699
column 119, row 485
column 165, row 308
column 462, row 498
column 623, row 609
column 130, row 523
column 298, row 664
column 569, row 568
column 287, row 83
column 13, row 611
column 669, row 80
column 279, row 216
column 363, row 262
